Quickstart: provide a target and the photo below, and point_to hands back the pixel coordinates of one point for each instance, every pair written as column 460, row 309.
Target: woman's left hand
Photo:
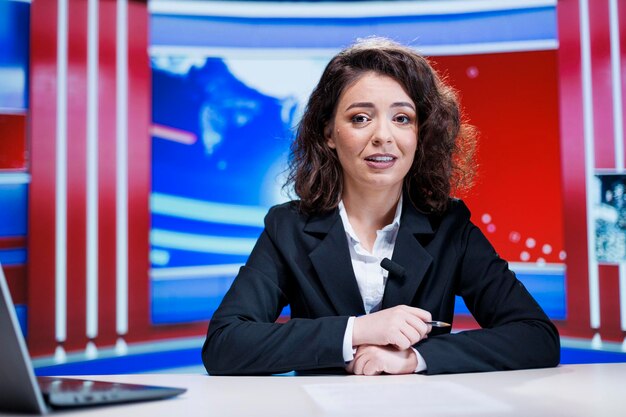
column 375, row 360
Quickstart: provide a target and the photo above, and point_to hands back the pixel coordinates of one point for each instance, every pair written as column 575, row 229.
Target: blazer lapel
column 331, row 260
column 409, row 254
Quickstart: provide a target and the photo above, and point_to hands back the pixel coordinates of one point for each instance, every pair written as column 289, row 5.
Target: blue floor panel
column 170, row 360
column 572, row 356
column 129, row 364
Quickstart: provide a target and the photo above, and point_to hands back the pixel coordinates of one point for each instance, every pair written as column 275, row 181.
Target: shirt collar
column 392, row 227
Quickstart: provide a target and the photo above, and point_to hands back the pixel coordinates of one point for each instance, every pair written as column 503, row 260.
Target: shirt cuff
column 421, row 363
column 348, row 351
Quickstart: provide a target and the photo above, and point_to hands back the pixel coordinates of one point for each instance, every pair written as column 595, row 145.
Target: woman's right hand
column 401, row 326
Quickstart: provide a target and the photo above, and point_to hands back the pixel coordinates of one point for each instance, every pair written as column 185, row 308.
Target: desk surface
column 572, row 390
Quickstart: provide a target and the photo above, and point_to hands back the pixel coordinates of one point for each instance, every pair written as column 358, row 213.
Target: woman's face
column 374, row 131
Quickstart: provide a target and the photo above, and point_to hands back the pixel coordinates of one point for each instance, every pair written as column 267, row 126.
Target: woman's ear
column 328, row 135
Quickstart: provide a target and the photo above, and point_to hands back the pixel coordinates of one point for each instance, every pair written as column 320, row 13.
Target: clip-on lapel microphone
column 394, row 269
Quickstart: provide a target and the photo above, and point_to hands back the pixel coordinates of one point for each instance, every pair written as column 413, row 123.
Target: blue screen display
column 227, row 94
column 222, row 128
column 14, row 41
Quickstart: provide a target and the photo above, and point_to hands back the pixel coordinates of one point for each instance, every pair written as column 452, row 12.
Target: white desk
column 571, row 390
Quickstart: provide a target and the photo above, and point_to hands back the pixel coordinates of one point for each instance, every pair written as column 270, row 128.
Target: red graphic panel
column 13, row 154
column 512, row 99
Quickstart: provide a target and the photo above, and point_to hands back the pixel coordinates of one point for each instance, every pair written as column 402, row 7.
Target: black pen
column 437, row 323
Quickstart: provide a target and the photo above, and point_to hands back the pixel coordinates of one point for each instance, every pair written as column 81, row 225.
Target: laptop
column 21, row 391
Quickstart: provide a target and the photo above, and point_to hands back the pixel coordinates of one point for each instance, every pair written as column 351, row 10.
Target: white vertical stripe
column 618, row 122
column 622, row 295
column 92, row 170
column 594, row 297
column 122, row 168
column 61, row 176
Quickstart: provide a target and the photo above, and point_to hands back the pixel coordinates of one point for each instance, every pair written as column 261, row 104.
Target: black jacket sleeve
column 243, row 338
column 515, row 332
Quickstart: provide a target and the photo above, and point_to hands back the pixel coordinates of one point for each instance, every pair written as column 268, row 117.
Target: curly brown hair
column 444, row 159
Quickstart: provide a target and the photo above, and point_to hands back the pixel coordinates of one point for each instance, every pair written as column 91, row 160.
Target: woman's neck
column 370, row 212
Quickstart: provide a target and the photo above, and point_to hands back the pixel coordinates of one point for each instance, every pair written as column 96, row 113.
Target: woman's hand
column 375, row 360
column 400, row 326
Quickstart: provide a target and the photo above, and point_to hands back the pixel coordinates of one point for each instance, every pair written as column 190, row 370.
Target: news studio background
column 227, row 83
column 224, row 114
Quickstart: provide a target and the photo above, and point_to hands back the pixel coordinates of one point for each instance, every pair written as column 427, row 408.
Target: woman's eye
column 403, row 119
column 360, row 118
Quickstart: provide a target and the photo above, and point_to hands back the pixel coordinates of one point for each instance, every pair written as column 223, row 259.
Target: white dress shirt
column 371, row 278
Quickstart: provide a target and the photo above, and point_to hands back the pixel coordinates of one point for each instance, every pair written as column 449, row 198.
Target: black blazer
column 304, row 261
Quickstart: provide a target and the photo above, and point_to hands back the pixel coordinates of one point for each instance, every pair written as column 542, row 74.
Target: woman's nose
column 382, row 133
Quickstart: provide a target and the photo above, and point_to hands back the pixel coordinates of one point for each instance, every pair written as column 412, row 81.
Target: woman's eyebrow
column 371, row 105
column 403, row 104
column 360, row 104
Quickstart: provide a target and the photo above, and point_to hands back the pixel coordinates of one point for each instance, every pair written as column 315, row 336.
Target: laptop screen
column 21, row 391
column 18, row 387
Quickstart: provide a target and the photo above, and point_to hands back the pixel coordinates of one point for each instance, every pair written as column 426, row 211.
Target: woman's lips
column 380, row 161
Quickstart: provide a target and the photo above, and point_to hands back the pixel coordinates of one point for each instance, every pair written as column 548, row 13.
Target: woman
column 377, row 153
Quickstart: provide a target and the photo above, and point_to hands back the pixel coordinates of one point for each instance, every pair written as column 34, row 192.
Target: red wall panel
column 609, row 309
column 602, row 85
column 16, row 279
column 573, row 173
column 139, row 174
column 621, row 15
column 13, row 153
column 41, row 209
column 107, row 147
column 76, row 173
column 42, row 233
